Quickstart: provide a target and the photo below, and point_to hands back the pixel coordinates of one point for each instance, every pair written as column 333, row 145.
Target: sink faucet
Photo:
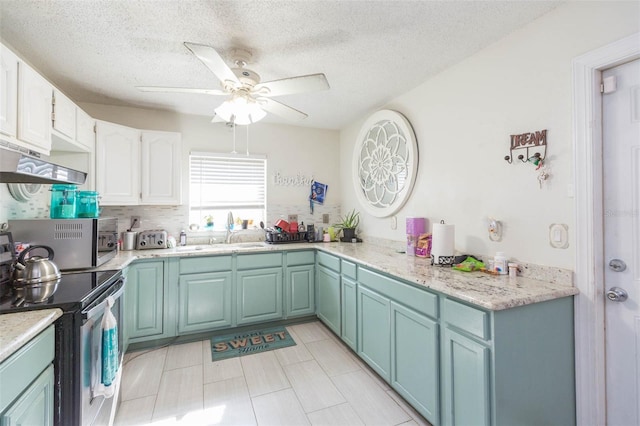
column 227, row 238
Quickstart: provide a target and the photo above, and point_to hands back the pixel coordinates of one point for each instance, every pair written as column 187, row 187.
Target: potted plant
column 348, row 224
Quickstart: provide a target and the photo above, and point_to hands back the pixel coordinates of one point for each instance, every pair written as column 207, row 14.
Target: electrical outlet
column 135, row 222
column 325, row 218
column 293, row 218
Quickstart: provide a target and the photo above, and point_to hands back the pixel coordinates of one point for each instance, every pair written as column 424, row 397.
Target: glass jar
column 63, row 201
column 87, row 204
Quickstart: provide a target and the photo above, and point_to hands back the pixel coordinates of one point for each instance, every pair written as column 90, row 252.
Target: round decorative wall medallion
column 385, row 163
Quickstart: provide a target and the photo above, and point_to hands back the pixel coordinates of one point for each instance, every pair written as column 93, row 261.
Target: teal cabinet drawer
column 262, row 260
column 466, row 318
column 25, row 365
column 349, row 269
column 329, row 261
column 418, row 299
column 300, row 258
column 197, row 265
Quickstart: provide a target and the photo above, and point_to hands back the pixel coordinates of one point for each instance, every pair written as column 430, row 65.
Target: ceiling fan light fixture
column 240, row 109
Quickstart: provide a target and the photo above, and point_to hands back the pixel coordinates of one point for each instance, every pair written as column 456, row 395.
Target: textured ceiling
column 371, row 51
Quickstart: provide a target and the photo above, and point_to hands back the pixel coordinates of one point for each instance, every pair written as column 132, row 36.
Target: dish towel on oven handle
column 109, row 353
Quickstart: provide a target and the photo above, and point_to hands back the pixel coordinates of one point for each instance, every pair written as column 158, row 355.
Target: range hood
column 18, row 167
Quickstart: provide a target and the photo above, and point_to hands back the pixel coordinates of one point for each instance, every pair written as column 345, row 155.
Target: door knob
column 617, row 265
column 616, row 294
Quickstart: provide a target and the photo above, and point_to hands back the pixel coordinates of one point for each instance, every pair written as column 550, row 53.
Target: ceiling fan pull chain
column 234, row 137
column 247, row 140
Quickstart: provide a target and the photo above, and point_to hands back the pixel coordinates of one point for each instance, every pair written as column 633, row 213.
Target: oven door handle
column 100, row 308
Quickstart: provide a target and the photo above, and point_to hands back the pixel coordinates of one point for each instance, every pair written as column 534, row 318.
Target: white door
column 621, row 176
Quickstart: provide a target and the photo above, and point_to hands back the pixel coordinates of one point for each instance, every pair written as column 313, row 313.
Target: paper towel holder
column 443, row 260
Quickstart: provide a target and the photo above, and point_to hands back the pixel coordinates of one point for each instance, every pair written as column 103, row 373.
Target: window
column 223, row 183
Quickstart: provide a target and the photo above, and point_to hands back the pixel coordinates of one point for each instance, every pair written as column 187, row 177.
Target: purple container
column 416, row 225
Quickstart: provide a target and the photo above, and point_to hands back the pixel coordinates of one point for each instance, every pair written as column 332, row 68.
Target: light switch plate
column 293, row 218
column 559, row 235
column 325, row 218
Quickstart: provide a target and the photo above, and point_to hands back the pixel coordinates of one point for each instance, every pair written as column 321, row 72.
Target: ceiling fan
column 248, row 99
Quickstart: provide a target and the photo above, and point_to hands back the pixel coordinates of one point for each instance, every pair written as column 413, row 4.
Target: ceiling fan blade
column 281, row 109
column 293, row 85
column 213, row 61
column 217, row 92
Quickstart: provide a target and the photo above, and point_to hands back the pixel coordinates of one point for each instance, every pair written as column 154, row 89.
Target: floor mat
column 250, row 342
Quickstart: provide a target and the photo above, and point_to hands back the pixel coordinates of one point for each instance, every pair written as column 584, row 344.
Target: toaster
column 152, row 239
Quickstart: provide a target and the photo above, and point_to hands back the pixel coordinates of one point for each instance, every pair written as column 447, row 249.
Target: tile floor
column 317, row 382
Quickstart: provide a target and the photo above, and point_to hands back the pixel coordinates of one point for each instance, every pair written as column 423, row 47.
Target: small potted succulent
column 348, row 224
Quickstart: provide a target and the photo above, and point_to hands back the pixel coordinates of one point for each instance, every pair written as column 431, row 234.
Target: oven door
column 95, row 406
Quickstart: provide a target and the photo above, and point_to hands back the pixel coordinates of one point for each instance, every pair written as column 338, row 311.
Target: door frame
column 589, row 270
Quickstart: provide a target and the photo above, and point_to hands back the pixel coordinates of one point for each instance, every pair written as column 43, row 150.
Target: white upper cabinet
column 136, row 167
column 85, row 130
column 34, row 109
column 64, row 115
column 161, row 177
column 8, row 92
column 72, row 127
column 117, row 164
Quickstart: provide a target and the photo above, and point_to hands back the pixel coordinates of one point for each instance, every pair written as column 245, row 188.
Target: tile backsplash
column 170, row 218
column 36, row 208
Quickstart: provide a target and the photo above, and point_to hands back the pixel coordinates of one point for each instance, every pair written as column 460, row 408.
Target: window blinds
column 227, row 181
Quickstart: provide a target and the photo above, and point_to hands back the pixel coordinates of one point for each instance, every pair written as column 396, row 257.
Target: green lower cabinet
column 146, row 301
column 349, row 331
column 374, row 330
column 35, row 404
column 204, row 301
column 328, row 297
column 300, row 291
column 415, row 360
column 259, row 295
column 466, row 380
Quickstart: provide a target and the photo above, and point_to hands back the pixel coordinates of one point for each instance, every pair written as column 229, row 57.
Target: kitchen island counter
column 19, row 328
column 483, row 290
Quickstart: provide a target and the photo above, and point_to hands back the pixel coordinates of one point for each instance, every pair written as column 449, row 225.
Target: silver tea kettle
column 36, row 269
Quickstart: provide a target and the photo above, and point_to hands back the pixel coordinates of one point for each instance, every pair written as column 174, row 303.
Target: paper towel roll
column 443, row 243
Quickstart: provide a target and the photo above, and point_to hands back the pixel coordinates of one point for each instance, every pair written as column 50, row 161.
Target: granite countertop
column 19, row 328
column 478, row 288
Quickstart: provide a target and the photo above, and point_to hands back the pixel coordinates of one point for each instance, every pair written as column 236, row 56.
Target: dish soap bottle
column 183, row 238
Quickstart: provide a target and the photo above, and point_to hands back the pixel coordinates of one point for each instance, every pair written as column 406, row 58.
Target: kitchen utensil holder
column 285, row 237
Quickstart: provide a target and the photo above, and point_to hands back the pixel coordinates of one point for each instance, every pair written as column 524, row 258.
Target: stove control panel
column 152, row 239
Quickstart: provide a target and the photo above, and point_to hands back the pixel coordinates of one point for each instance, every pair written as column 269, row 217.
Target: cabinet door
column 8, row 91
column 117, row 164
column 466, row 381
column 349, row 309
column 259, row 295
column 414, row 360
column 328, row 298
column 161, row 160
column 64, row 114
column 300, row 291
column 35, row 405
column 145, row 300
column 374, row 330
column 85, row 133
column 34, row 109
column 205, row 301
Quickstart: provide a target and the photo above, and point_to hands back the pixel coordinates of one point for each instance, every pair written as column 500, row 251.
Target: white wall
column 463, row 118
